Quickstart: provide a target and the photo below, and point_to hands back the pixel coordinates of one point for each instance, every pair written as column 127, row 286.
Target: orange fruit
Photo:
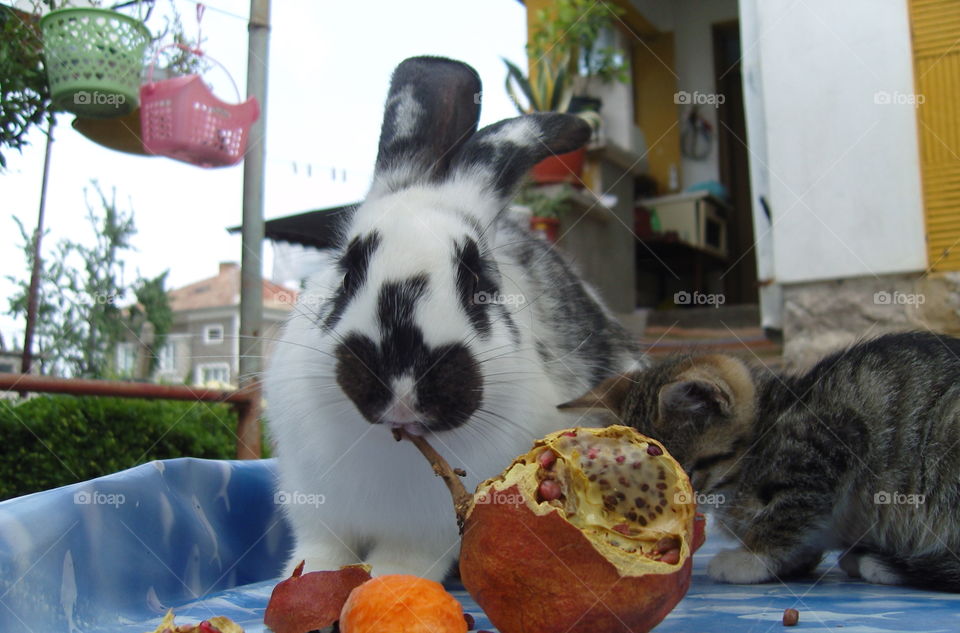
column 398, row 603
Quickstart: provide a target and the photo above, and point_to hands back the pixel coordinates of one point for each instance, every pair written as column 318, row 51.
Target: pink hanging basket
column 181, row 118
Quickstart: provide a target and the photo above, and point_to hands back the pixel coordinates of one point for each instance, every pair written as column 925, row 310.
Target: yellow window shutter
column 935, row 26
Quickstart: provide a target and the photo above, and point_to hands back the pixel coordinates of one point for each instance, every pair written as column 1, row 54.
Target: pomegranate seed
column 550, row 490
column 546, row 459
column 671, row 558
column 569, row 434
column 790, row 617
column 592, row 453
column 206, row 627
column 666, row 544
column 623, row 528
column 470, row 622
column 621, row 459
column 654, row 450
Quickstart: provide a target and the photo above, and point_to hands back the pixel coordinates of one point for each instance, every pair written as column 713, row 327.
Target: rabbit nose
column 403, row 407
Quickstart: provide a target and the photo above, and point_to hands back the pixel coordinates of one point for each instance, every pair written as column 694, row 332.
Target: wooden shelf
column 581, row 200
column 619, row 156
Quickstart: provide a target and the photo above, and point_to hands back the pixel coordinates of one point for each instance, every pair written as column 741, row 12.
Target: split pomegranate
column 591, row 531
column 306, row 602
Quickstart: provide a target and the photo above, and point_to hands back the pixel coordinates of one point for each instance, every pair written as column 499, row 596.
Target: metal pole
column 33, row 294
column 251, row 260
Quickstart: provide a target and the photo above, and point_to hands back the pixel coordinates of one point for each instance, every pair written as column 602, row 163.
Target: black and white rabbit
column 442, row 316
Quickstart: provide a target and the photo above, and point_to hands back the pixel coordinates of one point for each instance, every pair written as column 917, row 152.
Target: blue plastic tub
column 207, row 538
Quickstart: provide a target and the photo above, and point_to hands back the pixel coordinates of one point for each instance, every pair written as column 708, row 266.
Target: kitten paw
column 740, row 567
column 874, row 570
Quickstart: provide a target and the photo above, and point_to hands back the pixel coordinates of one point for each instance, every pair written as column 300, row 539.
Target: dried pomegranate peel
column 591, row 531
column 306, row 602
column 218, row 624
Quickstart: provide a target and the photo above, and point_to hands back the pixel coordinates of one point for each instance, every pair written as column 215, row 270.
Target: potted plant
column 545, row 209
column 547, row 90
column 578, row 34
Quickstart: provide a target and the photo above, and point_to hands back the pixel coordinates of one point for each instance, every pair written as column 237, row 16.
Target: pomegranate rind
column 310, row 601
column 533, row 571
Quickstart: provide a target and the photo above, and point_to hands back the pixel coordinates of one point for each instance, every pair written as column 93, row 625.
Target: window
column 213, row 334
column 166, row 357
column 126, row 358
column 213, row 372
column 6, row 367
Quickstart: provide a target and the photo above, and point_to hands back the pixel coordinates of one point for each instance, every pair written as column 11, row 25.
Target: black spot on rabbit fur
column 448, row 382
column 353, row 265
column 432, row 110
column 475, row 287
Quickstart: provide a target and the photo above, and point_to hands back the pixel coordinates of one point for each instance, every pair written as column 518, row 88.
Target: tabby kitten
column 860, row 453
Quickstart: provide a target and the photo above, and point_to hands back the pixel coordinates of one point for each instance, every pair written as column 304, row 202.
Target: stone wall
column 820, row 317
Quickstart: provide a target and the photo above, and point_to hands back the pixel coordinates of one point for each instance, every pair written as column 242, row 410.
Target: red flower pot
column 560, row 168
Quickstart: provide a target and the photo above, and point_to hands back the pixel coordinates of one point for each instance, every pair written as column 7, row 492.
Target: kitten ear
column 693, row 399
column 608, row 396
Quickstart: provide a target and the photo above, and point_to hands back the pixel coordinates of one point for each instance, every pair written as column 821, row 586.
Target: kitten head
column 701, row 407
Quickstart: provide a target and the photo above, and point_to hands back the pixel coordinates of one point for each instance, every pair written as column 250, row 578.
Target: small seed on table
column 790, row 617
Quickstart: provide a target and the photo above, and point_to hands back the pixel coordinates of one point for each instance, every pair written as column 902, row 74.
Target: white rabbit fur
column 546, row 339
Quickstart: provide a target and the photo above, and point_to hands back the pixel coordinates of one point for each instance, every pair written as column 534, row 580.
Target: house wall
column 203, row 353
column 687, row 27
column 843, row 166
column 693, row 60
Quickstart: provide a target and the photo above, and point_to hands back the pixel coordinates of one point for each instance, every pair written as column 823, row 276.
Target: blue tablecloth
column 206, row 538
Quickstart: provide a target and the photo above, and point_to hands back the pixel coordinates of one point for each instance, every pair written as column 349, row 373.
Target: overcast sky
column 330, row 63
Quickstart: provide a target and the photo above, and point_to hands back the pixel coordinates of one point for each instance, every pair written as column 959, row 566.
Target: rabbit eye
column 347, row 283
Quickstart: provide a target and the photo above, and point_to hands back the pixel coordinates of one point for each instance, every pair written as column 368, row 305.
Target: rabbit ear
column 432, row 109
column 499, row 155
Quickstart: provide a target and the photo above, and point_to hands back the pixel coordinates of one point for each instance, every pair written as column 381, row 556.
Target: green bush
column 51, row 441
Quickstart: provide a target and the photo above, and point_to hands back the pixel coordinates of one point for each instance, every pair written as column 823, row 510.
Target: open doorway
column 740, row 274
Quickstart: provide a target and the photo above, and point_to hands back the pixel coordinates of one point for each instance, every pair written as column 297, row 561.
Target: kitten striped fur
column 861, row 453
